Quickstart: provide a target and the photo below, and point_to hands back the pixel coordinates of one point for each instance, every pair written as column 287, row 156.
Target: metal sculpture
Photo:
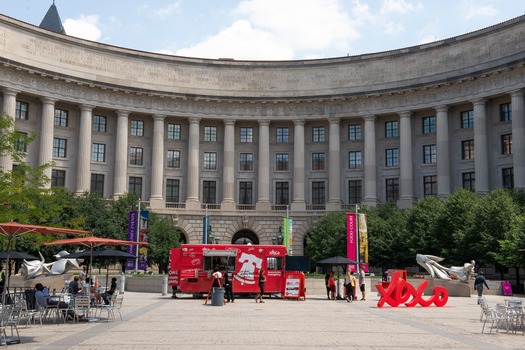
column 431, row 264
column 36, row 268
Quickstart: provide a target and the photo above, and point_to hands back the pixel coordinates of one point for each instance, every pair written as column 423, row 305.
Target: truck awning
column 213, row 252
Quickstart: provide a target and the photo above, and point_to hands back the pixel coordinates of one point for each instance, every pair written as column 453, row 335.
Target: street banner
column 351, row 239
column 288, row 234
column 143, row 237
column 204, row 229
column 363, row 242
column 132, row 236
column 138, row 234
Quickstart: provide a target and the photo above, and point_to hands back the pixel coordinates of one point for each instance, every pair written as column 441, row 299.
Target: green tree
column 422, row 229
column 162, row 236
column 328, row 237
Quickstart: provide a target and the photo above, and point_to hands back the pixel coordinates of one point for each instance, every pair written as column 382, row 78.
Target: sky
column 267, row 29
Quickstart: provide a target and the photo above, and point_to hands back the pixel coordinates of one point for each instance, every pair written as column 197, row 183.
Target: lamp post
column 278, row 238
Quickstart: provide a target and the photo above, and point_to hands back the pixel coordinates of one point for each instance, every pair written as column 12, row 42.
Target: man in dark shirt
column 74, row 288
column 478, row 284
column 228, row 286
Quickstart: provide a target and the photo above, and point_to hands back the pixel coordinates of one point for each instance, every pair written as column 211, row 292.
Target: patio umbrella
column 338, row 261
column 92, row 242
column 17, row 256
column 13, row 230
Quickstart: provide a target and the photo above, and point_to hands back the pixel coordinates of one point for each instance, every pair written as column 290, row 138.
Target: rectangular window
column 354, row 192
column 505, row 112
column 209, row 189
column 246, row 161
column 173, row 131
column 429, row 125
column 100, row 123
column 467, row 149
column 59, row 147
column 506, row 144
column 392, row 189
column 508, row 177
column 136, row 155
column 429, row 154
column 245, row 192
column 318, row 162
column 246, row 135
column 469, row 181
column 354, row 160
column 97, row 184
column 282, row 193
column 58, row 178
column 430, row 185
column 137, row 128
column 318, row 192
column 467, row 119
column 22, row 110
column 173, row 160
column 61, row 116
column 98, row 152
column 392, row 157
column 392, row 129
column 21, row 142
column 172, row 190
column 210, row 161
column 281, row 162
column 318, row 134
column 281, row 135
column 210, row 134
column 354, row 132
column 135, row 186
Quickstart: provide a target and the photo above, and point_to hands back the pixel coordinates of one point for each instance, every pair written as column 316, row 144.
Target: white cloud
column 399, row 6
column 473, row 9
column 85, row 27
column 167, row 11
column 240, row 41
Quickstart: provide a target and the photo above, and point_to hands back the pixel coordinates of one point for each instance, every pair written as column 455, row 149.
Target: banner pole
column 357, row 236
column 137, row 240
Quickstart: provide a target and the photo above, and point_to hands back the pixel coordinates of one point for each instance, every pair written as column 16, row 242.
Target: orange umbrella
column 12, row 230
column 93, row 242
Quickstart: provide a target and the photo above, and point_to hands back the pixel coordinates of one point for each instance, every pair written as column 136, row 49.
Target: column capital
column 441, row 109
column 516, row 93
column 369, row 118
column 10, row 92
column 48, row 100
column 264, row 122
column 122, row 113
column 86, row 108
column 334, row 120
column 159, row 117
column 229, row 121
column 479, row 101
column 194, row 120
column 404, row 114
column 298, row 122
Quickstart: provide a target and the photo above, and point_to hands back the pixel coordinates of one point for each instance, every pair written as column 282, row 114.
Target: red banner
column 351, row 239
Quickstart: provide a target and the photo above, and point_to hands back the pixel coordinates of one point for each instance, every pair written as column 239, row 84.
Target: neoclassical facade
column 248, row 141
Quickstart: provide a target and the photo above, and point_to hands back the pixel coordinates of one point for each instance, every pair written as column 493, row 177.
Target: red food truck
column 191, row 268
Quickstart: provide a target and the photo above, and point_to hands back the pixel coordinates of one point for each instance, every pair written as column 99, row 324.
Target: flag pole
column 137, row 240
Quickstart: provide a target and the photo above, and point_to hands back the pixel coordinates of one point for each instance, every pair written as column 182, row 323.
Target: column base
column 298, row 206
column 193, row 204
column 405, row 202
column 333, row 205
column 157, row 203
column 263, row 206
column 228, row 205
column 370, row 202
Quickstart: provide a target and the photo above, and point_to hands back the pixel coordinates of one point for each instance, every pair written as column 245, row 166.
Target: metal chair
column 82, row 305
column 491, row 316
column 5, row 315
column 28, row 314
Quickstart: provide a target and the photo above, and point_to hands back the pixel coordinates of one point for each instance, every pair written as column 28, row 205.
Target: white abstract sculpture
column 35, row 268
column 431, row 264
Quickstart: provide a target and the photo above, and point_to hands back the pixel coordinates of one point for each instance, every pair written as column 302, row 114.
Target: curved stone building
column 249, row 140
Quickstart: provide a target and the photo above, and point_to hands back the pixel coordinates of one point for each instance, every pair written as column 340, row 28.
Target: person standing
column 350, row 284
column 217, row 276
column 331, row 285
column 327, row 284
column 228, row 286
column 362, row 282
column 478, row 284
column 262, row 281
column 74, row 287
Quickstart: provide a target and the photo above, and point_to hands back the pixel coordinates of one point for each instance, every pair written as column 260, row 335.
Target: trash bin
column 30, row 299
column 217, row 296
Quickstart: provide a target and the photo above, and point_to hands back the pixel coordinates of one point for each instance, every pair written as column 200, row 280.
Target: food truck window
column 210, row 262
column 273, row 263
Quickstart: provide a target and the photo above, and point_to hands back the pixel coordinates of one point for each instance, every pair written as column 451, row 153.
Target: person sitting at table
column 42, row 300
column 74, row 287
column 107, row 294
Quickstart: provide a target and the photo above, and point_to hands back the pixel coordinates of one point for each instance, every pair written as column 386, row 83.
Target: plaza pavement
column 153, row 321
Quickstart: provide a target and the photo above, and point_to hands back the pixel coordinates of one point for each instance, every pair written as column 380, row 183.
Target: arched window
column 245, row 237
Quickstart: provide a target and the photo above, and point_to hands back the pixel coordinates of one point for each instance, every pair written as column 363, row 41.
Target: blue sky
column 267, row 29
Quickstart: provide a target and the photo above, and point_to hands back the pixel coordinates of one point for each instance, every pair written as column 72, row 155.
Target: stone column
column 481, row 147
column 406, row 181
column 157, row 163
column 121, row 155
column 443, row 152
column 192, row 199
column 334, row 167
column 45, row 156
column 263, row 175
column 298, row 203
column 518, row 139
column 9, row 108
column 228, row 177
column 370, row 162
column 84, row 150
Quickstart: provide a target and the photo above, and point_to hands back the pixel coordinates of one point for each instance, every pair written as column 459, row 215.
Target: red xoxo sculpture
column 400, row 291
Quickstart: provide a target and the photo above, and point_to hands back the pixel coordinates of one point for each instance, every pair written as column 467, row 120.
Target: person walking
column 262, row 281
column 362, row 282
column 331, row 285
column 478, row 284
column 350, row 285
column 327, row 284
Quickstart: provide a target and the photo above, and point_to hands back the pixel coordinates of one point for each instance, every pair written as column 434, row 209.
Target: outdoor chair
column 107, row 307
column 81, row 306
column 115, row 307
column 29, row 315
column 13, row 321
column 5, row 315
column 492, row 316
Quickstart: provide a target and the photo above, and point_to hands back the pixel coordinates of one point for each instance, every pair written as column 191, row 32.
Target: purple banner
column 132, row 236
